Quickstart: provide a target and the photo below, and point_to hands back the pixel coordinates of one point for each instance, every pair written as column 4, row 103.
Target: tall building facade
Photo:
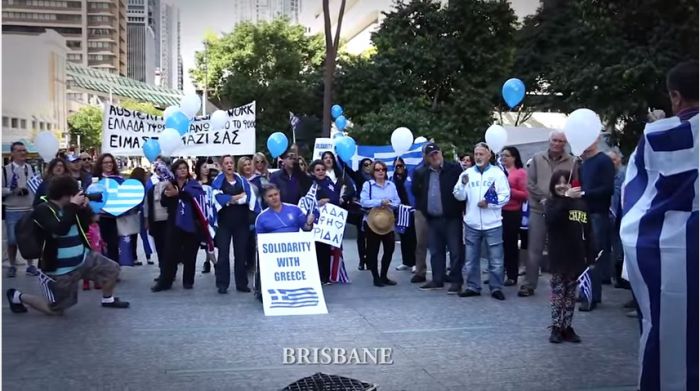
column 170, row 69
column 95, row 30
column 267, row 10
column 141, row 42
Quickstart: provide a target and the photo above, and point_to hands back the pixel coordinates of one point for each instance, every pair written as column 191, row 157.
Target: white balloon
column 169, row 140
column 169, row 111
column 420, row 139
column 218, row 120
column 582, row 130
column 46, row 144
column 496, row 137
column 401, row 140
column 190, row 104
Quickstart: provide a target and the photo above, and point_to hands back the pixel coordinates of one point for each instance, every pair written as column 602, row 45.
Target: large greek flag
column 659, row 233
column 386, row 153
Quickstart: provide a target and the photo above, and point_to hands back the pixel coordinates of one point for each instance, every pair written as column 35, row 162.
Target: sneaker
column 17, row 308
column 116, row 304
column 32, row 271
column 569, row 335
column 432, row 285
column 417, row 278
column 11, row 272
column 509, row 282
column 402, row 267
column 498, row 295
column 555, row 336
column 525, row 291
column 138, row 263
column 469, row 293
column 454, row 289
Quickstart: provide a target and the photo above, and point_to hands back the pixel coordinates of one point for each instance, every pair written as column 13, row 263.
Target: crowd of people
column 471, row 209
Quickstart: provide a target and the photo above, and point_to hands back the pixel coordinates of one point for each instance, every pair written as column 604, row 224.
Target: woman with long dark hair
column 512, row 212
column 406, row 232
column 186, row 227
column 326, row 192
column 106, row 167
column 56, row 167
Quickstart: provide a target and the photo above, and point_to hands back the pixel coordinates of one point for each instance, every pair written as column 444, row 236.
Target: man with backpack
column 16, row 202
column 57, row 227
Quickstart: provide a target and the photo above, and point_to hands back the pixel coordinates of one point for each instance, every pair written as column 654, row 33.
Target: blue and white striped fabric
column 659, row 233
column 308, row 203
column 44, row 284
column 34, row 182
column 124, row 197
column 207, row 204
column 293, row 298
column 386, row 153
column 404, row 218
column 585, row 285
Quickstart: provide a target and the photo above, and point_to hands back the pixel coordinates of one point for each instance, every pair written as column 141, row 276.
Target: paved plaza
column 200, row 340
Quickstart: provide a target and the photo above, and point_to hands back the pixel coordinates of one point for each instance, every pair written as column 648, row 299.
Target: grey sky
column 197, row 17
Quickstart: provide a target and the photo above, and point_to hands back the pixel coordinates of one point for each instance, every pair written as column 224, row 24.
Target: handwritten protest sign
column 331, row 225
column 322, row 145
column 125, row 131
column 289, row 275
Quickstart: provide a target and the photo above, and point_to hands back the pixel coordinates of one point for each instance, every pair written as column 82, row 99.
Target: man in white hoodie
column 485, row 189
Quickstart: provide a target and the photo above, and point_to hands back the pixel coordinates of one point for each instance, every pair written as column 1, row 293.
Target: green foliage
column 86, row 123
column 609, row 56
column 143, row 107
column 273, row 63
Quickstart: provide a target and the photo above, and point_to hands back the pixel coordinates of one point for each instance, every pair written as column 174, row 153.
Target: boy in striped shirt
column 66, row 256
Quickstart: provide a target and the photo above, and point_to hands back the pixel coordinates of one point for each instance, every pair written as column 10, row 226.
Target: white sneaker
column 402, row 267
column 413, row 270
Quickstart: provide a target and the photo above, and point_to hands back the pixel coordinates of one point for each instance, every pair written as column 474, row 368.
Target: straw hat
column 381, row 220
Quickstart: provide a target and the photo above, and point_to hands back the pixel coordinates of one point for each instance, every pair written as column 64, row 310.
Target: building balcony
column 37, row 22
column 71, row 6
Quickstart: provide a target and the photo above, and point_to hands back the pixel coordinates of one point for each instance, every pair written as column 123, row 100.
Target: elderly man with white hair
column 539, row 173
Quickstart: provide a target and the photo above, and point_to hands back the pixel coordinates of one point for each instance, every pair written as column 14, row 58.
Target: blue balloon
column 277, row 143
column 97, row 188
column 336, row 111
column 151, row 149
column 345, row 148
column 341, row 122
column 513, row 92
column 178, row 121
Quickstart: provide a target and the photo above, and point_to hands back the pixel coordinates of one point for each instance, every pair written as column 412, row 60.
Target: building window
column 41, row 125
column 74, row 57
column 23, row 124
column 48, row 126
column 14, row 123
column 33, row 124
column 5, row 122
column 75, row 45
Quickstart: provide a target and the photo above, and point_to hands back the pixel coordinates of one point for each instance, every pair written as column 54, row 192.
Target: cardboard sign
column 290, row 283
column 330, row 226
column 322, row 145
column 125, row 131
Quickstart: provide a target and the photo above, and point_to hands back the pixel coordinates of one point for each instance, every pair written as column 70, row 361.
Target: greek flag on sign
column 293, row 298
column 584, row 284
column 308, row 203
column 34, row 182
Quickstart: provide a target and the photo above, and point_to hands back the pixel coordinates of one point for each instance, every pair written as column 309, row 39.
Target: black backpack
column 30, row 236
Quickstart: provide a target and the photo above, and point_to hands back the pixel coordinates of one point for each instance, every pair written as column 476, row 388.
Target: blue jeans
column 11, row 220
column 445, row 232
column 600, row 229
column 494, row 241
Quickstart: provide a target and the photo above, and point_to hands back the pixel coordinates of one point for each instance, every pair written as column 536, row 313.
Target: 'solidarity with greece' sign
column 125, row 131
column 289, row 279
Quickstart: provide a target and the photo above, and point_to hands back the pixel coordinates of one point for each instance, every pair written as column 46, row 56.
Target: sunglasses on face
column 380, row 169
column 258, row 162
column 367, row 164
column 400, row 166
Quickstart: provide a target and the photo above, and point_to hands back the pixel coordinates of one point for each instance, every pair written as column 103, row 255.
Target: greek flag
column 386, row 153
column 34, row 182
column 308, row 203
column 404, row 218
column 293, row 298
column 44, row 282
column 584, row 285
column 659, row 232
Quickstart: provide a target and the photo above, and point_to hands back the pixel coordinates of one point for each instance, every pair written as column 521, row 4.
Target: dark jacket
column 449, row 175
column 283, row 182
column 327, row 189
column 570, row 237
column 54, row 223
column 598, row 182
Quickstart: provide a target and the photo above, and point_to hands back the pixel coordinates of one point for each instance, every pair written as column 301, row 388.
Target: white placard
column 125, row 131
column 322, row 145
column 290, row 283
column 330, row 226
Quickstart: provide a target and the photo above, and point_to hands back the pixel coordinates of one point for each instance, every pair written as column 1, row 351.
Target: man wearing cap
column 443, row 213
column 75, row 167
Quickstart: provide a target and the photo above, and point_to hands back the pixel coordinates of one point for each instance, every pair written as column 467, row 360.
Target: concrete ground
column 200, row 340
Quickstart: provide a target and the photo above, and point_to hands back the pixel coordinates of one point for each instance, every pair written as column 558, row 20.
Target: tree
column 273, row 63
column 609, row 56
column 332, row 44
column 87, row 122
column 440, row 69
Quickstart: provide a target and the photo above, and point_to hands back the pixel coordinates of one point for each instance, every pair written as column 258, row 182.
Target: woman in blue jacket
column 326, row 192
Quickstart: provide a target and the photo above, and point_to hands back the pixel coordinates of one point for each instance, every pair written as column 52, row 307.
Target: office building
column 141, row 42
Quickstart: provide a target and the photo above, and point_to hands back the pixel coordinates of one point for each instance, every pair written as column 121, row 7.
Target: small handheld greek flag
column 308, row 203
column 404, row 218
column 584, row 285
column 491, row 196
column 34, row 182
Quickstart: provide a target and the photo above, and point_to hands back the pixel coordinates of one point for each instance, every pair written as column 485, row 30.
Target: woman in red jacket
column 512, row 212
